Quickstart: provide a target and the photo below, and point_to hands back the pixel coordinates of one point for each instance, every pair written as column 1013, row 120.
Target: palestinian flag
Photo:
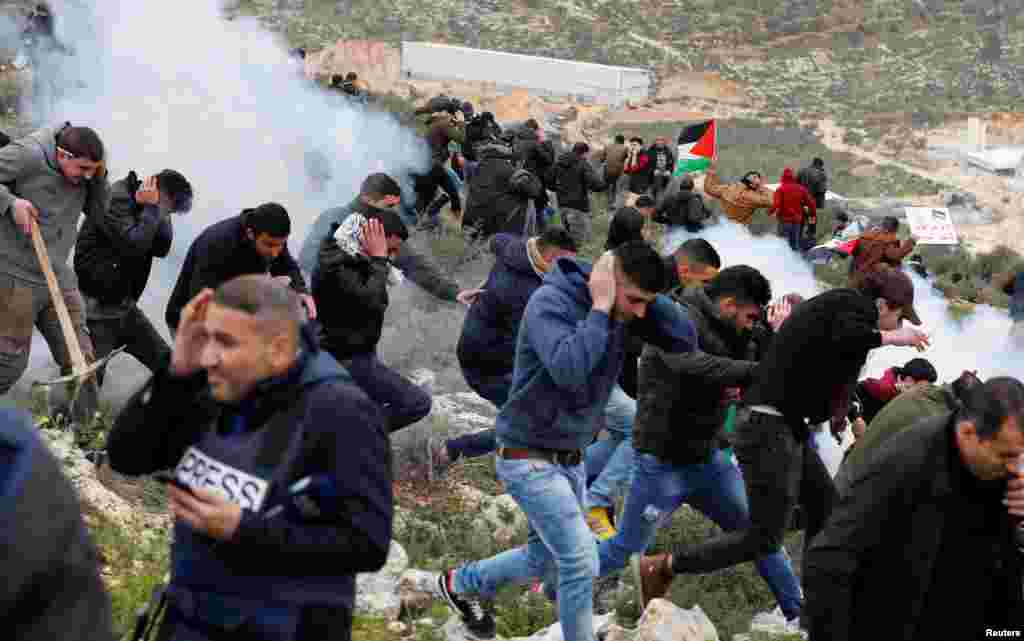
column 698, row 144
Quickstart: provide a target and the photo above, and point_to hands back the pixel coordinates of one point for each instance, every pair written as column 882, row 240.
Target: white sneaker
column 768, row 619
column 775, row 623
column 793, row 627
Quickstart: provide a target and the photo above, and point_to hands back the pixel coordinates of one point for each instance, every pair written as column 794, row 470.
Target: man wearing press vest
column 281, row 489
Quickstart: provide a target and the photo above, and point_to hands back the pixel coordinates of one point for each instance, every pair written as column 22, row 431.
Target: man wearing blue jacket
column 250, row 414
column 51, row 587
column 487, row 344
column 569, row 352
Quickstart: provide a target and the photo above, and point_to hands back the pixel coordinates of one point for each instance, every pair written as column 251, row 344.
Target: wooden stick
column 78, row 364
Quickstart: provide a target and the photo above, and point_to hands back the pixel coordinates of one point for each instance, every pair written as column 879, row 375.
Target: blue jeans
column 559, row 544
column 401, row 401
column 793, row 233
column 494, row 389
column 611, row 460
column 716, row 489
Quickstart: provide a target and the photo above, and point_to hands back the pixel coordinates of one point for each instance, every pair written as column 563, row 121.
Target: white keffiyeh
column 350, row 240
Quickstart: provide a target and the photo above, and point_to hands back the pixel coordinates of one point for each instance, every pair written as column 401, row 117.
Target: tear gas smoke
column 174, row 85
column 978, row 342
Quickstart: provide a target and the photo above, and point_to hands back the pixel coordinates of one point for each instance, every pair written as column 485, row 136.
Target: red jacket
column 790, row 200
column 884, row 389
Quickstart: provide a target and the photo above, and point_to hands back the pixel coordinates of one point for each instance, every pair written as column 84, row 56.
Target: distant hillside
column 845, row 57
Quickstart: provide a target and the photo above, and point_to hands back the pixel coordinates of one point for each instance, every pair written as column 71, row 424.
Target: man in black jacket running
column 805, row 377
column 114, row 256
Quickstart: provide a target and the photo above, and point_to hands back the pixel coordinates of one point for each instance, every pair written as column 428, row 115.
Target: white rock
column 377, row 593
column 82, row 474
column 424, row 378
column 398, row 627
column 665, row 621
column 466, row 412
column 418, row 581
column 554, row 631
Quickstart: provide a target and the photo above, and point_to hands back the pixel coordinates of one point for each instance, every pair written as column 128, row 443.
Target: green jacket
column 910, row 407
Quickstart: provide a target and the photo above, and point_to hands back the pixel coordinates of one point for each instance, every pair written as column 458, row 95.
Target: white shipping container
column 602, row 83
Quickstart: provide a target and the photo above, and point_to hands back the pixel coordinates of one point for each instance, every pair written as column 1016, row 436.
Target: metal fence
column 586, row 81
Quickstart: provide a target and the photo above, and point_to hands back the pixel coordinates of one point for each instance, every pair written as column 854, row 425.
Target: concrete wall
column 543, row 76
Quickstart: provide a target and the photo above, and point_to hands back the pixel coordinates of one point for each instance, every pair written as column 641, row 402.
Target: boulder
column 665, row 621
column 377, row 593
column 465, row 412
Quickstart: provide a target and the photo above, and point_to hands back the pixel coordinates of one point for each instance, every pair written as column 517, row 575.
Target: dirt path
column 991, row 191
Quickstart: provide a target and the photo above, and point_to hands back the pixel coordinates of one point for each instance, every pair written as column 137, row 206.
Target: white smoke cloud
column 174, row 85
column 978, row 342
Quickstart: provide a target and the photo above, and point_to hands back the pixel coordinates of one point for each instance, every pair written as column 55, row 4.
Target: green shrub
column 521, row 613
column 136, row 567
column 1001, row 259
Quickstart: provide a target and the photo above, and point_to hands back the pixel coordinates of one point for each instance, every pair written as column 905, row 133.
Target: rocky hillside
column 841, row 56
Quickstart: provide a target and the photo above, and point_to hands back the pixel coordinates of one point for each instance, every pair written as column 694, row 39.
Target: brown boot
column 653, row 577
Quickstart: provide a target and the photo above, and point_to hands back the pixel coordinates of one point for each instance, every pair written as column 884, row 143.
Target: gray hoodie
column 29, row 170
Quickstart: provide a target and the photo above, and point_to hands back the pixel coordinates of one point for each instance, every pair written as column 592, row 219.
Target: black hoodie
column 576, row 178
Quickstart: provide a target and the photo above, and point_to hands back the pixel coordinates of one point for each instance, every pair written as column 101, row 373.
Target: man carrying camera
column 281, row 489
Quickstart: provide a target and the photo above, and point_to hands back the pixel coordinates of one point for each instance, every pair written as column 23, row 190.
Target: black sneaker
column 475, row 617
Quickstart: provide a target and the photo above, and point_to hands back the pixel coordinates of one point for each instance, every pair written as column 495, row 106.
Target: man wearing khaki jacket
column 614, row 158
column 739, row 200
column 51, row 177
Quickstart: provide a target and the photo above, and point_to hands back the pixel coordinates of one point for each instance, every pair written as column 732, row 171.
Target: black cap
column 897, row 289
column 919, row 369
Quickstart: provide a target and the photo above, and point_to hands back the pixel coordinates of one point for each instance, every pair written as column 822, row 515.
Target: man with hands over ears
column 569, row 352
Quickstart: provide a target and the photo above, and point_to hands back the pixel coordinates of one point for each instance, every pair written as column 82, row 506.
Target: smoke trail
column 172, row 84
